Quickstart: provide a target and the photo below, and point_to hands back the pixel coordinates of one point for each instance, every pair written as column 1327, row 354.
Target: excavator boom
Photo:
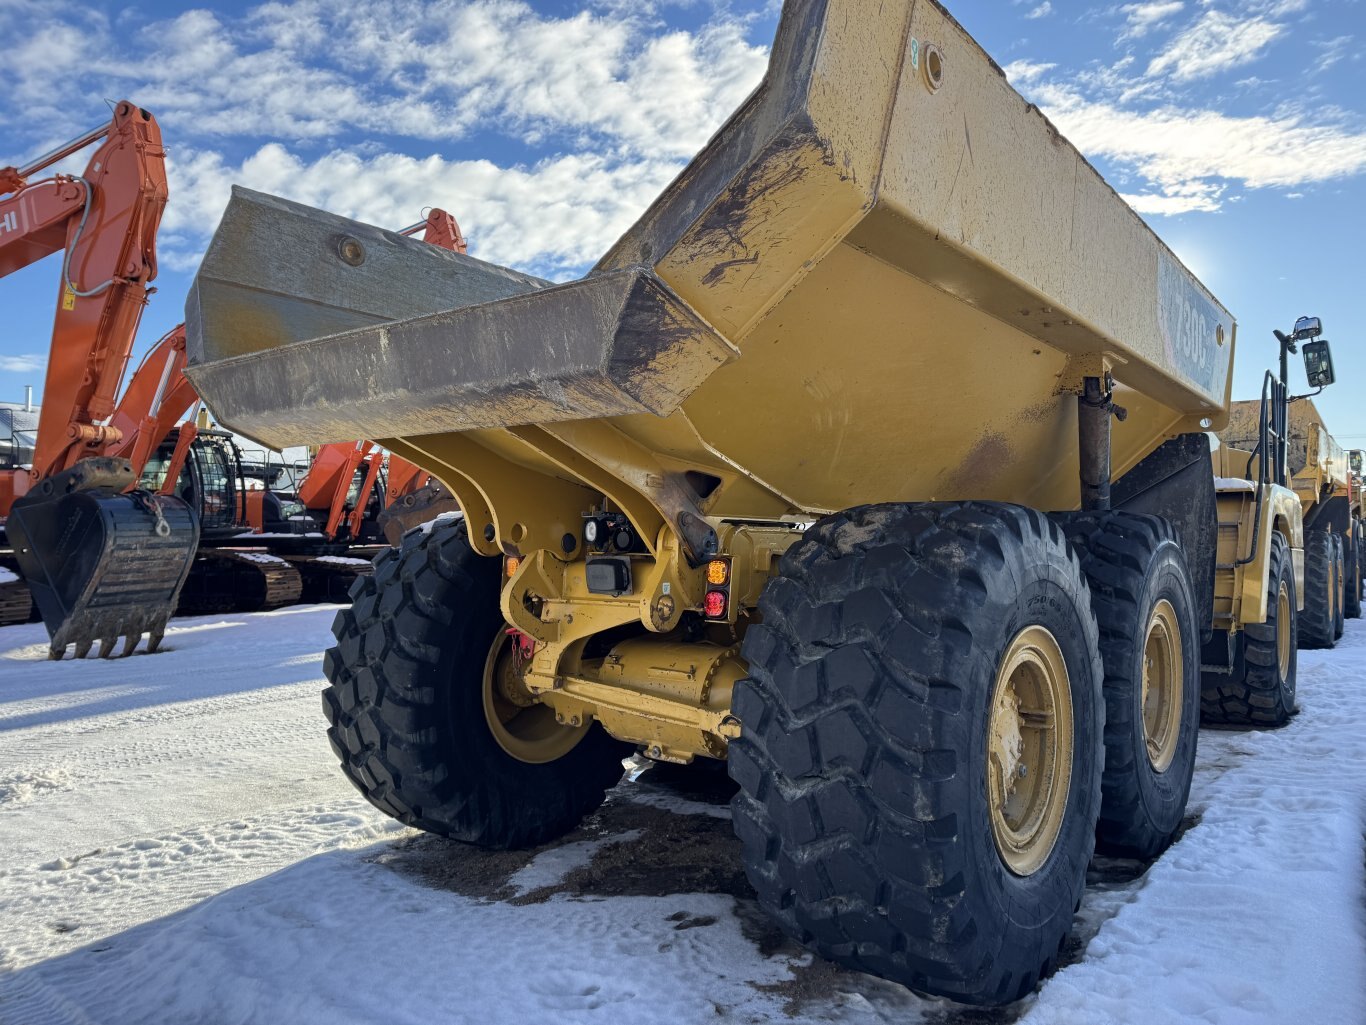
column 103, row 559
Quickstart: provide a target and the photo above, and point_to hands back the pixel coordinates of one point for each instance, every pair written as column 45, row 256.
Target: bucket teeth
column 108, row 636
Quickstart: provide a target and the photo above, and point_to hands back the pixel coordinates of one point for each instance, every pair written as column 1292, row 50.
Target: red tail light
column 714, row 605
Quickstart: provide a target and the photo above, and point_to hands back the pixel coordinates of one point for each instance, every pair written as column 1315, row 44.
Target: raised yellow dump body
column 883, row 279
column 1316, row 464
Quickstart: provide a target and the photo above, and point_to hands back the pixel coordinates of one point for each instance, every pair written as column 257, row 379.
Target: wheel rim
column 1163, row 685
column 1029, row 756
column 1283, row 630
column 526, row 730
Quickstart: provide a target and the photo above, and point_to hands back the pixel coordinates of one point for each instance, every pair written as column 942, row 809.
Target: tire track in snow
column 82, row 896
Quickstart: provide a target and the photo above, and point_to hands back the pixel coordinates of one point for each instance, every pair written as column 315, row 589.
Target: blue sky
column 1236, row 127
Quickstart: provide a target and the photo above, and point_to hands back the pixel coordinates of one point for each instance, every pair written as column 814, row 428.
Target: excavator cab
column 18, row 435
column 209, row 479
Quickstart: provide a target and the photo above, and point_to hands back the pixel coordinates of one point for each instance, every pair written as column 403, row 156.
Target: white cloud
column 1140, row 19
column 1332, row 51
column 1042, row 11
column 1187, row 157
column 312, row 69
column 23, row 363
column 1215, row 42
column 1022, row 72
column 1182, row 198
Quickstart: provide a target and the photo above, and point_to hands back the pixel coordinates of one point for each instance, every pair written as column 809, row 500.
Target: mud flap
column 425, row 504
column 1176, row 481
column 101, row 564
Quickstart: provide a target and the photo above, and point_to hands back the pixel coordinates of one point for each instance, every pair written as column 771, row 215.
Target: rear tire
column 406, row 705
column 1150, row 646
column 1339, row 588
column 1265, row 693
column 878, row 801
column 1318, row 620
column 1351, row 605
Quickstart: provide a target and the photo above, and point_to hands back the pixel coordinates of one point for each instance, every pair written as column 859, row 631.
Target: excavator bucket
column 102, row 565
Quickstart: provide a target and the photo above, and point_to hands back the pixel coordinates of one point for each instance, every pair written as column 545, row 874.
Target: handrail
column 1271, row 427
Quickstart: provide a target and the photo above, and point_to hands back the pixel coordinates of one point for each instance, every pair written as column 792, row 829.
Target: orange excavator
column 103, row 558
column 109, row 505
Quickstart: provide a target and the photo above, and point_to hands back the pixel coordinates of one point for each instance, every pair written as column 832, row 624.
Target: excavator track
column 234, row 580
column 16, row 601
column 328, row 578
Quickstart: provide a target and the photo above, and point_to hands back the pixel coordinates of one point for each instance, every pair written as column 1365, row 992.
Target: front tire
column 1319, row 618
column 919, row 767
column 1264, row 695
column 415, row 715
column 1150, row 646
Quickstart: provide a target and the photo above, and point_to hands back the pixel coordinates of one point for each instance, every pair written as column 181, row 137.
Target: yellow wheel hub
column 1163, row 685
column 1029, row 750
column 524, row 729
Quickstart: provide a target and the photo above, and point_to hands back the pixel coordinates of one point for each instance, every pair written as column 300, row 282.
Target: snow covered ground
column 176, row 846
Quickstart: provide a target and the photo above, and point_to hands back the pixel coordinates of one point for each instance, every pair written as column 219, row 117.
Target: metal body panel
column 1247, row 518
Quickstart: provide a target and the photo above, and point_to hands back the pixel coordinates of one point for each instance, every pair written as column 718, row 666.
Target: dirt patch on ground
column 661, row 850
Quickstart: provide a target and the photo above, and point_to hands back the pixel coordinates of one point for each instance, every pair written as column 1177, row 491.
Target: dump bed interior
column 881, row 280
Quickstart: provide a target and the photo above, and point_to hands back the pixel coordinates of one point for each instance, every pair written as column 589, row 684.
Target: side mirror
column 1354, row 460
column 1318, row 363
column 1307, row 328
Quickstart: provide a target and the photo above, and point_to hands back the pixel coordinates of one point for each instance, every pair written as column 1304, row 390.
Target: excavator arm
column 101, row 564
column 104, row 222
column 158, row 395
column 327, row 484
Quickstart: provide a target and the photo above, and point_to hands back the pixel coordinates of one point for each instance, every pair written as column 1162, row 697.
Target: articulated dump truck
column 1320, row 476
column 874, row 459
